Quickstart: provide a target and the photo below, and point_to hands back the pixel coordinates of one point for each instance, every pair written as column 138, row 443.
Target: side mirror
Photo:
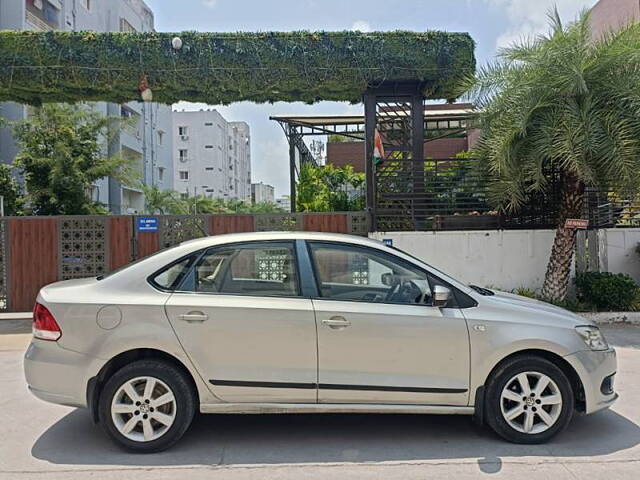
column 387, row 279
column 441, row 296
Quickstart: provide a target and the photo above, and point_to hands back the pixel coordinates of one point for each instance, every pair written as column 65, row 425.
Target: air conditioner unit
column 184, row 138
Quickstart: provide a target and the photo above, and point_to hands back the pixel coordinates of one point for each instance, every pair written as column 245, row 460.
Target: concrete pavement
column 45, row 441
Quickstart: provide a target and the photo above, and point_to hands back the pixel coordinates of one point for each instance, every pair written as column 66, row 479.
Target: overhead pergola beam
column 221, row 68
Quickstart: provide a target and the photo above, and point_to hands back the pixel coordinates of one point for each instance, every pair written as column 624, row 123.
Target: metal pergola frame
column 427, row 123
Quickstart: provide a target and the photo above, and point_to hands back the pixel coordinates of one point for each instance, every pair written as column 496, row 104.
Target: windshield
column 124, row 267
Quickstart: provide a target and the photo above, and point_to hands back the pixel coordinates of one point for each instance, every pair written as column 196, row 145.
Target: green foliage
column 563, row 100
column 10, row 190
column 607, row 291
column 61, row 156
column 329, row 189
column 220, row 68
column 170, row 202
column 526, row 292
column 336, row 138
column 161, row 202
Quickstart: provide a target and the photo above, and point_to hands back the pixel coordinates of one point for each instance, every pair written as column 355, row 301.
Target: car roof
column 270, row 236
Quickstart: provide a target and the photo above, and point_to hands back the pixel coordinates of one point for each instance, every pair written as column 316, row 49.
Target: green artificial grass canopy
column 220, row 68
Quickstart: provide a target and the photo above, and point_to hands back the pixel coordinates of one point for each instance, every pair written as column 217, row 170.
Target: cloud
column 528, row 18
column 361, row 26
column 210, row 3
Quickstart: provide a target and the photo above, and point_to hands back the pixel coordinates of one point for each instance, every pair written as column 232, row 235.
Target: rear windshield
column 124, row 267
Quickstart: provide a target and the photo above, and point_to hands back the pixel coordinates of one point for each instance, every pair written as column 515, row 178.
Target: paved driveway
column 38, row 440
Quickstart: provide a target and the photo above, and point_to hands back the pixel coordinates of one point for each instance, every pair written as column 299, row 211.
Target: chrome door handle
column 194, row 317
column 336, row 322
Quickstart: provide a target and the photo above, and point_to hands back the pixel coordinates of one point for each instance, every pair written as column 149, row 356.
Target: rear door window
column 261, row 269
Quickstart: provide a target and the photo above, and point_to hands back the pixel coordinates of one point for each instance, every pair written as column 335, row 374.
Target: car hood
column 544, row 310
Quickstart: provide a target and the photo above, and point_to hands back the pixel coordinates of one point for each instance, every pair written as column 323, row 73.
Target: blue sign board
column 147, row 224
column 388, row 242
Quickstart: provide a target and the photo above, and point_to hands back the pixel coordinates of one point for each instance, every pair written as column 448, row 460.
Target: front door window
column 352, row 273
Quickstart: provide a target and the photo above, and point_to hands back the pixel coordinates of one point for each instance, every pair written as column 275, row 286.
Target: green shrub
column 526, row 292
column 607, row 291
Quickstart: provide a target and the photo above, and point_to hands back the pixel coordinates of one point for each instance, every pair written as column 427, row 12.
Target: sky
column 492, row 24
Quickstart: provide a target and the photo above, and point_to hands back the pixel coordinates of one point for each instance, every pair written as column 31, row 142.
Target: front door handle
column 194, row 317
column 336, row 323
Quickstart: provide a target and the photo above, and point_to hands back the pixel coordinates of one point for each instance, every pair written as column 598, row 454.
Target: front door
column 240, row 317
column 379, row 340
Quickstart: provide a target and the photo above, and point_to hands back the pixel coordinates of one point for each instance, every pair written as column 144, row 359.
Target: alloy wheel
column 143, row 409
column 531, row 402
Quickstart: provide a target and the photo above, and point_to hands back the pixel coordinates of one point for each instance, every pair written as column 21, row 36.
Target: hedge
column 220, row 68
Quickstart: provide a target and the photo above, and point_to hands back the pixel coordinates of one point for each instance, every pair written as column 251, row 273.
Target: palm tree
column 159, row 201
column 567, row 100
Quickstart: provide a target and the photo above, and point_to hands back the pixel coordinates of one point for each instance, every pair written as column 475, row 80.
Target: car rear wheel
column 529, row 400
column 147, row 406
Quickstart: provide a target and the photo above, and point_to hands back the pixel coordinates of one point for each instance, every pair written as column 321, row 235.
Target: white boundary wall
column 508, row 259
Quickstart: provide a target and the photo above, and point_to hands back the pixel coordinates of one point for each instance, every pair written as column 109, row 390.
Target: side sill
column 258, row 408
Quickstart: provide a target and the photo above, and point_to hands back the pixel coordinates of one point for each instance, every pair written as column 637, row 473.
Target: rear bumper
column 57, row 375
column 595, row 369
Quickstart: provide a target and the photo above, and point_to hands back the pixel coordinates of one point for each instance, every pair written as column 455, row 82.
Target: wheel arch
column 557, row 360
column 95, row 384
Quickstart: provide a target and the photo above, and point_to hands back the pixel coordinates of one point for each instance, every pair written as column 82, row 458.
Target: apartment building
column 262, row 193
column 284, row 203
column 610, row 15
column 212, row 157
column 147, row 140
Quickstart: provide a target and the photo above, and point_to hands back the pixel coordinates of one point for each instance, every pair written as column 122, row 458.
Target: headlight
column 592, row 337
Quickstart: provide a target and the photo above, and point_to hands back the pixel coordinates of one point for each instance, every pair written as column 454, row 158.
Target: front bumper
column 595, row 369
column 57, row 375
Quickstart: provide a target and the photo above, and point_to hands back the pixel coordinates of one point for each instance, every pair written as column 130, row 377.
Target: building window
column 183, row 153
column 183, row 131
column 161, row 173
column 209, row 169
column 184, row 196
column 86, row 4
column 208, row 124
column 184, row 175
column 160, row 137
column 126, row 26
column 208, row 146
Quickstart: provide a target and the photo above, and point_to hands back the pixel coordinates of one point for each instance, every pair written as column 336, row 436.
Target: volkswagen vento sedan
column 307, row 322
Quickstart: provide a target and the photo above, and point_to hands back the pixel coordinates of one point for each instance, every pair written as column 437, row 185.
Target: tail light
column 45, row 326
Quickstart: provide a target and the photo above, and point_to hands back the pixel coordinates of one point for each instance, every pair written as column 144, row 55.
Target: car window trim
column 246, row 244
column 178, row 281
column 393, row 257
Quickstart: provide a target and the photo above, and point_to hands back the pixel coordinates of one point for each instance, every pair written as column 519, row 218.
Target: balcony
column 43, row 15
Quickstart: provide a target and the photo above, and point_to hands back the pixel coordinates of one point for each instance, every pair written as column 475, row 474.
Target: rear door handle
column 336, row 322
column 194, row 317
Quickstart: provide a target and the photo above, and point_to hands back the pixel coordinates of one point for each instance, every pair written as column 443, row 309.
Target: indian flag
column 378, row 148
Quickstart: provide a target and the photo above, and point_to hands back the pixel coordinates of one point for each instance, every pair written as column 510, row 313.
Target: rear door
column 379, row 338
column 240, row 317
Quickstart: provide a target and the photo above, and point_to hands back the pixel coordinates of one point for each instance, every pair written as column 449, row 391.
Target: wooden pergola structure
column 395, row 113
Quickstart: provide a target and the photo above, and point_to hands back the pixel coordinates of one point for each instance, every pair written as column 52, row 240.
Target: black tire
column 498, row 381
column 185, row 404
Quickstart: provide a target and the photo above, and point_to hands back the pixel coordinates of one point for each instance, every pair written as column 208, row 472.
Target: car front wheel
column 529, row 400
column 146, row 406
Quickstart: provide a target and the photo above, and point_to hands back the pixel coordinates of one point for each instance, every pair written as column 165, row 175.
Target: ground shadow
column 286, row 439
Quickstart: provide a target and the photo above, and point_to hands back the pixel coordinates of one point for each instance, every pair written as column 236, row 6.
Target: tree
column 61, row 156
column 10, row 191
column 160, row 202
column 329, row 189
column 565, row 100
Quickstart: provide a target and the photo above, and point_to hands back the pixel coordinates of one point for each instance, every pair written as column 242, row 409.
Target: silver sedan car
column 307, row 323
